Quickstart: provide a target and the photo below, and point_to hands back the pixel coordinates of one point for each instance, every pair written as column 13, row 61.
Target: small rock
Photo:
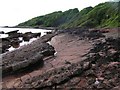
column 116, row 88
column 86, row 65
column 96, row 82
column 67, row 62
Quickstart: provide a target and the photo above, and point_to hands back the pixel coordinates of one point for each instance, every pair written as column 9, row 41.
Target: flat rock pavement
column 69, row 50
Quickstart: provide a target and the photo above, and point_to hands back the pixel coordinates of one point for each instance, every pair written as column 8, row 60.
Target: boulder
column 5, row 44
column 15, row 42
column 35, row 35
column 13, row 34
column 116, row 88
column 27, row 36
column 49, row 32
column 2, row 32
column 48, row 51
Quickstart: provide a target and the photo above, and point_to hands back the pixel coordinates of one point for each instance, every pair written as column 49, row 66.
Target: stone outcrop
column 105, row 60
column 13, row 34
column 15, row 42
column 26, row 55
column 84, row 33
column 98, row 68
column 54, row 76
column 5, row 44
column 48, row 32
column 35, row 35
column 28, row 35
column 13, row 39
column 2, row 32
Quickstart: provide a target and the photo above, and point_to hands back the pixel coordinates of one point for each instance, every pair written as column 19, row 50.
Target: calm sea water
column 22, row 30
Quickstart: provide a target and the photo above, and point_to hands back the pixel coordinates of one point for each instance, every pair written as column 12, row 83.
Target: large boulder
column 27, row 36
column 15, row 42
column 35, row 35
column 13, row 34
column 5, row 44
column 48, row 32
column 48, row 51
column 2, row 32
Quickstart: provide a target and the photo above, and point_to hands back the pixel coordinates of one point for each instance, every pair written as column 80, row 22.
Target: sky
column 13, row 12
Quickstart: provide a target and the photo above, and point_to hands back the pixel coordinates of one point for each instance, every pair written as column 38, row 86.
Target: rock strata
column 76, row 64
column 26, row 55
column 55, row 76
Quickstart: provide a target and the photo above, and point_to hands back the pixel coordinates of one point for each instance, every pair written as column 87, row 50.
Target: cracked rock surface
column 82, row 61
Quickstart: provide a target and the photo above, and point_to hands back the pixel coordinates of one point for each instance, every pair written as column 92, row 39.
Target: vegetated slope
column 51, row 20
column 74, row 22
column 102, row 15
column 46, row 20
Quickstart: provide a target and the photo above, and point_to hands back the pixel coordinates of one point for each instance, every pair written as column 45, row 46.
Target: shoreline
column 20, row 36
column 46, row 28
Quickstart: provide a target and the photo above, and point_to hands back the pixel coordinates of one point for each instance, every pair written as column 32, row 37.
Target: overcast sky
column 13, row 12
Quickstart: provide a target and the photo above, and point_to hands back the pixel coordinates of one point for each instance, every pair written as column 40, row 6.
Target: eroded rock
column 54, row 76
column 26, row 56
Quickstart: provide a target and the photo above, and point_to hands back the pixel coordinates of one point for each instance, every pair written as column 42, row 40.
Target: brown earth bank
column 85, row 59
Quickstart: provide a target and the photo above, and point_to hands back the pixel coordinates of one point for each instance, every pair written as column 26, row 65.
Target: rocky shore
column 13, row 39
column 27, row 55
column 86, row 59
